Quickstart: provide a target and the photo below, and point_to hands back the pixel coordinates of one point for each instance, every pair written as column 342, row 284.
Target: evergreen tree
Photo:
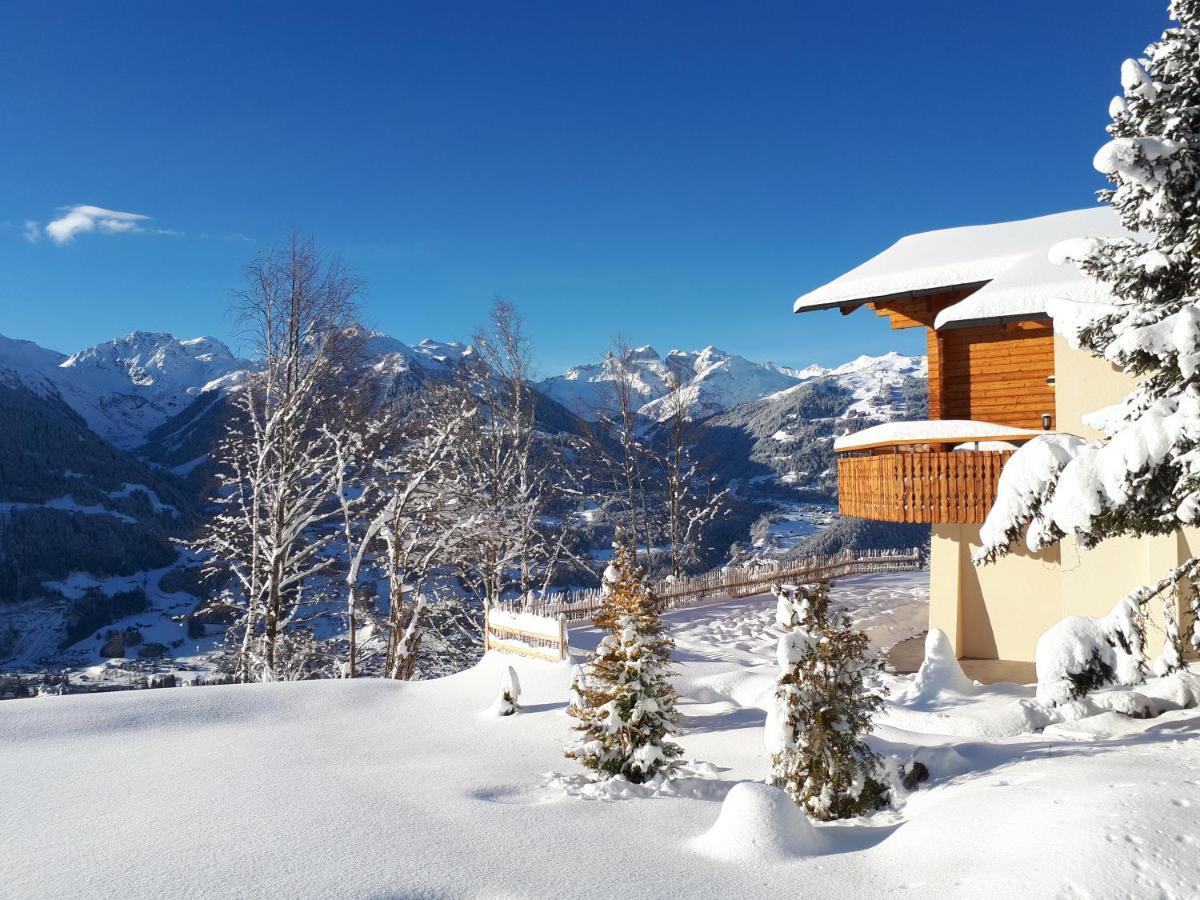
column 1143, row 477
column 624, row 702
column 824, row 709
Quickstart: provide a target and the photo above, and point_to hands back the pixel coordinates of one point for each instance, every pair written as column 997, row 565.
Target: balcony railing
column 956, row 487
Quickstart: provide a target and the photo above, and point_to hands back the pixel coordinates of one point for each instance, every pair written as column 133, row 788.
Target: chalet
column 998, row 376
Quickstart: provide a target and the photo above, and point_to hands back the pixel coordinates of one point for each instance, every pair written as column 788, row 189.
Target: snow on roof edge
column 951, row 257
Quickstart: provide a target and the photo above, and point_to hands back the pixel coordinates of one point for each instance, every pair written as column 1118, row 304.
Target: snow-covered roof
column 955, row 256
column 933, row 431
column 1027, row 288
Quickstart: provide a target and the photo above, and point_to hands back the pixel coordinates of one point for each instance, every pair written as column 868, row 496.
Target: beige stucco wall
column 996, row 611
column 1082, row 384
column 1000, row 610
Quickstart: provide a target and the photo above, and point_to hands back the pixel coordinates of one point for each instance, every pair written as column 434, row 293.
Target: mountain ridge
column 128, row 387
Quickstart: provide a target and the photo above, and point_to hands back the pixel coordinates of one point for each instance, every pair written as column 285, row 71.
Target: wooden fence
column 540, row 637
column 574, row 607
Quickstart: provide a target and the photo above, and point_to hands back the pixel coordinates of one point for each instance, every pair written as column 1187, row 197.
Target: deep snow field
column 372, row 788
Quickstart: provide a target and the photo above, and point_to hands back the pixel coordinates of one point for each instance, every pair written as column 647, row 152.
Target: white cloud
column 82, row 219
column 32, row 232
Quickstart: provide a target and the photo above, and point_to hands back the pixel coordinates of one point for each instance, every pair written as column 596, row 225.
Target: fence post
column 562, row 636
column 487, row 625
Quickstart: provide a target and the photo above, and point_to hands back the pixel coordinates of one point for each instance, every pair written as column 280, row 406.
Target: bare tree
column 690, row 502
column 277, row 463
column 507, row 397
column 629, row 465
column 419, row 523
column 357, row 493
column 397, row 491
column 510, row 473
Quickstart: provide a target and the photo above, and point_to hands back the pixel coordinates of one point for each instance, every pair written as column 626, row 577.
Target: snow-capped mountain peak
column 890, row 361
column 711, row 381
column 386, row 354
column 27, row 364
column 126, row 387
column 868, row 378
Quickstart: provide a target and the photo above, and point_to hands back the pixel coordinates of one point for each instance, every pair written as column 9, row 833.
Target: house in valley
column 999, row 375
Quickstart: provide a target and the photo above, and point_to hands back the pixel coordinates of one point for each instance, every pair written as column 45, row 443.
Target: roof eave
column 994, row 320
column 893, row 297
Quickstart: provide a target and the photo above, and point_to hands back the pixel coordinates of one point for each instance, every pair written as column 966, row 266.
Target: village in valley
column 334, row 615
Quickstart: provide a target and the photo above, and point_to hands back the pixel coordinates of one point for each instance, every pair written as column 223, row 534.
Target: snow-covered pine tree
column 625, row 702
column 1143, row 477
column 824, row 708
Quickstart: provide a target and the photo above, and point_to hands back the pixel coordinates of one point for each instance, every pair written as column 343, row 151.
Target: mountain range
column 126, row 388
column 104, row 463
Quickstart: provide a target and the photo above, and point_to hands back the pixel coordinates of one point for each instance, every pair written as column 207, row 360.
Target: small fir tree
column 624, row 701
column 824, row 708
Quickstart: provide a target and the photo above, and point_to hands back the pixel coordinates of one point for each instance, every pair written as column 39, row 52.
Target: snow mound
column 940, row 672
column 1078, row 653
column 1104, row 726
column 507, row 696
column 759, row 823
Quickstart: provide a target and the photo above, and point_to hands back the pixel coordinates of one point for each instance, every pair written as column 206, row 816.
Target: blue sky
column 678, row 172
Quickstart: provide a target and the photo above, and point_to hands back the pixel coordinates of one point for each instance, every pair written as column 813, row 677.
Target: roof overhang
column 1037, row 320
column 850, row 305
column 1000, row 270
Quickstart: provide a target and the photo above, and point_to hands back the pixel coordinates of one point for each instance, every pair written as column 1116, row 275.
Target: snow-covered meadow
column 380, row 788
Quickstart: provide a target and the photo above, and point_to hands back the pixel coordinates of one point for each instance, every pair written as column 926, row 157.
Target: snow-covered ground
column 375, row 788
column 40, row 633
column 792, row 522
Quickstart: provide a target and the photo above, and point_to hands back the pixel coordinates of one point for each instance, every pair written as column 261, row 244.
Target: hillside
column 789, row 434
column 71, row 503
column 315, row 777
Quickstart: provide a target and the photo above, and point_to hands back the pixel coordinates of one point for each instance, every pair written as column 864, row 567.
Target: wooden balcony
column 936, row 487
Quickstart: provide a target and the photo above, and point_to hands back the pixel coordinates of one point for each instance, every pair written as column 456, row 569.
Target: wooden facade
column 994, row 373
column 997, row 372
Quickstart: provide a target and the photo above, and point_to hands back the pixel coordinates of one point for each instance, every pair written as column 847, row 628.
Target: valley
column 112, row 447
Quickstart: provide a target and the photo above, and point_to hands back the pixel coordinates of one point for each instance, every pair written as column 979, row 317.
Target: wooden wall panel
column 993, row 373
column 996, row 373
column 933, row 353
